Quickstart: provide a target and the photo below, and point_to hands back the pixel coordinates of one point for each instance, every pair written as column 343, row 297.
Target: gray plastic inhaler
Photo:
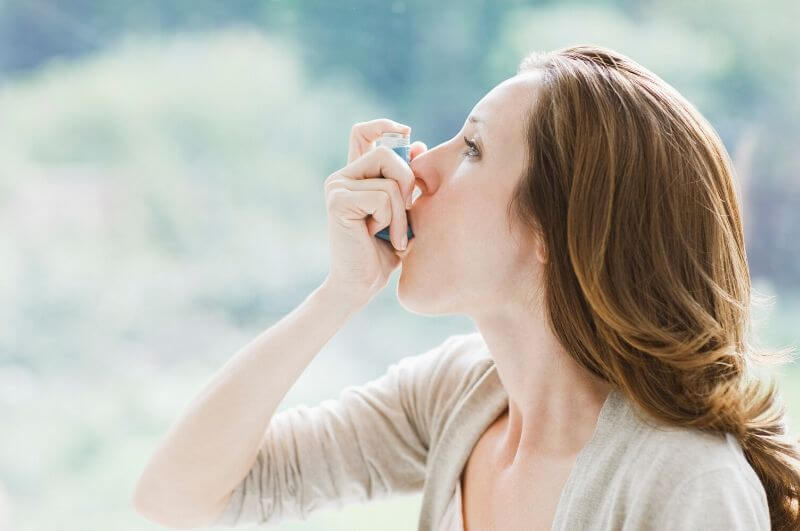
column 400, row 145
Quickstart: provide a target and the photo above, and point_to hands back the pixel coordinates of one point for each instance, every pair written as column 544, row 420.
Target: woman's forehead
column 508, row 97
column 499, row 115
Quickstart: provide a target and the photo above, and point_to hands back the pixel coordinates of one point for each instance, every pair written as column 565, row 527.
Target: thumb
column 417, row 148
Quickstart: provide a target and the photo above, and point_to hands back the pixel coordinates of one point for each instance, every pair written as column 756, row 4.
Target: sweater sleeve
column 370, row 442
column 719, row 499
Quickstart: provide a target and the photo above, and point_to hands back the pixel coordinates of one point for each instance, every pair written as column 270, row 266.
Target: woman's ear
column 539, row 249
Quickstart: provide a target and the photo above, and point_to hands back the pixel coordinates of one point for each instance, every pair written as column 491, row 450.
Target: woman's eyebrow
column 481, row 123
column 475, row 120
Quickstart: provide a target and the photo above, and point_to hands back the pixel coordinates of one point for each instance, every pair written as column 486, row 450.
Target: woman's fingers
column 380, row 198
column 416, row 149
column 363, row 134
column 382, row 161
column 364, row 188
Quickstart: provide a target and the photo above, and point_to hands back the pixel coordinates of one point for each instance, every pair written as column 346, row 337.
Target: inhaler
column 400, row 145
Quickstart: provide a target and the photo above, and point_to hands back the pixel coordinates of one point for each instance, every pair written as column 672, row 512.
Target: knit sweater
column 413, row 429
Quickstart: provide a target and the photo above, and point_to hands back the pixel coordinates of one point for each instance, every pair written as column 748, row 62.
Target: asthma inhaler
column 400, row 145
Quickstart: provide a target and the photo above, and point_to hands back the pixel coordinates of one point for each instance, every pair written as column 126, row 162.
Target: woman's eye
column 472, row 152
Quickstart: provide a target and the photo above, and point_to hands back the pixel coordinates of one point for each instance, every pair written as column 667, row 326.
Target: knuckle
column 337, row 196
column 388, row 187
column 332, row 184
column 389, row 158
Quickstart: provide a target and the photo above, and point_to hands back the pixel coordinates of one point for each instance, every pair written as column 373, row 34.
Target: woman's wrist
column 339, row 298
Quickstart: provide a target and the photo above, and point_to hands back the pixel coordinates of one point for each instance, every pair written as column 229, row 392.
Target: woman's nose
column 424, row 169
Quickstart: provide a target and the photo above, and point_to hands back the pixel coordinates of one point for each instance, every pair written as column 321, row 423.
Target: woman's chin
column 411, row 295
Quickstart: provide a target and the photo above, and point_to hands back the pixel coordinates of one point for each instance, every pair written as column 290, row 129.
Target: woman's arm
column 370, row 442
column 212, row 446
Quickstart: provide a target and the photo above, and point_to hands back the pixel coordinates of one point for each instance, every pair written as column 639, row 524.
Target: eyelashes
column 473, row 151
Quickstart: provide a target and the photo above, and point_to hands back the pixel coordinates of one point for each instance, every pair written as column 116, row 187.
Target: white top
column 453, row 518
column 414, row 428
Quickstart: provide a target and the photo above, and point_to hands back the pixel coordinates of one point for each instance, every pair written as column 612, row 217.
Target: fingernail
column 404, row 243
column 408, row 203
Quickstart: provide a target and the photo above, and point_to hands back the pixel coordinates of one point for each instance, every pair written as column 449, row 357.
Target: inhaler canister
column 400, row 144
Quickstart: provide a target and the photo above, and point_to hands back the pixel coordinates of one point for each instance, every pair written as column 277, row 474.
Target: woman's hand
column 372, row 191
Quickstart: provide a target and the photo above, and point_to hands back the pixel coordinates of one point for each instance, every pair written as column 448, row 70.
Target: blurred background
column 161, row 200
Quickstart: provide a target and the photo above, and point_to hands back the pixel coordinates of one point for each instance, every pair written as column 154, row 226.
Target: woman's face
column 465, row 259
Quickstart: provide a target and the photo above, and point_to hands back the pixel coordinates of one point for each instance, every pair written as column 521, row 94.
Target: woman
column 585, row 218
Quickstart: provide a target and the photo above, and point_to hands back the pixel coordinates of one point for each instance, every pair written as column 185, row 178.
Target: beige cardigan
column 414, row 427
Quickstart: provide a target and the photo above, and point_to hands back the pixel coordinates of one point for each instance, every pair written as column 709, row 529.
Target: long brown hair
column 646, row 283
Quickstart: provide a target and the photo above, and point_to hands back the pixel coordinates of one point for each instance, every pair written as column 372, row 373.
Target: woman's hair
column 646, row 282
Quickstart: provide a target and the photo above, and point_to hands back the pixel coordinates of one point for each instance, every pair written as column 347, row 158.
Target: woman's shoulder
column 688, row 449
column 430, row 384
column 446, row 372
column 466, row 353
column 677, row 475
column 458, row 359
column 666, row 462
